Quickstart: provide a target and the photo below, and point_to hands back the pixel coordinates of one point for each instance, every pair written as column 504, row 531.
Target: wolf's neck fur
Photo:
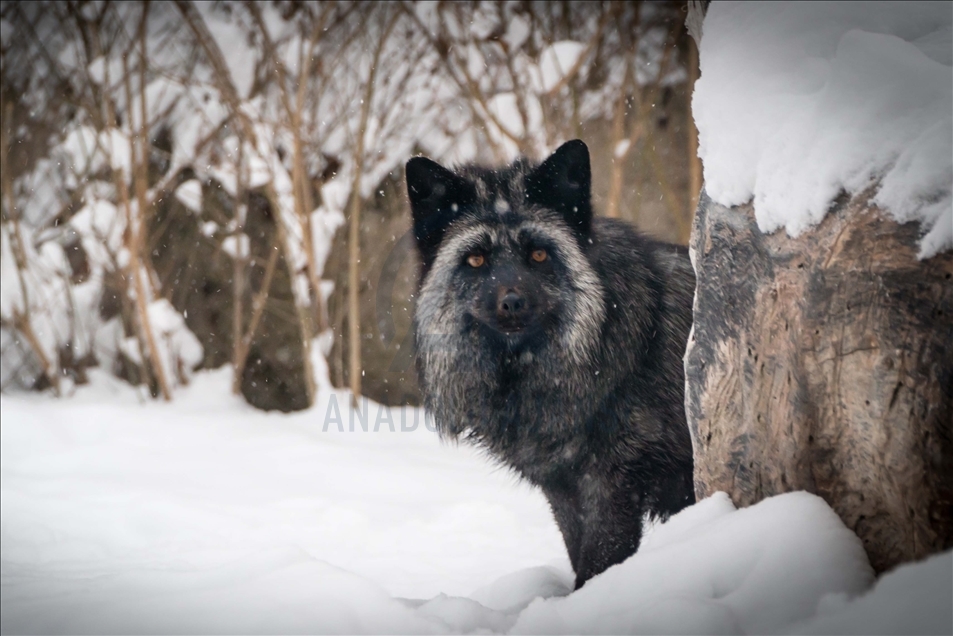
column 512, row 408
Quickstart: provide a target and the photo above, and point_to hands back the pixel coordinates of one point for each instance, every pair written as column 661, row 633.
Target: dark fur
column 569, row 371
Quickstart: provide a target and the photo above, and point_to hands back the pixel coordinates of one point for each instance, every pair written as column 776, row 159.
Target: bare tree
column 354, row 222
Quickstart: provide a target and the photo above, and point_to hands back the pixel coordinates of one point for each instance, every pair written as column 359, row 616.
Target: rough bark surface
column 825, row 363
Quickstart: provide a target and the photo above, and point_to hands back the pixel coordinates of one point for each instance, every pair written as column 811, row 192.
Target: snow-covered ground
column 206, row 516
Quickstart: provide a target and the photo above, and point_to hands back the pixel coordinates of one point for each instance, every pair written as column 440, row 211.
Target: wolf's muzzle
column 513, row 310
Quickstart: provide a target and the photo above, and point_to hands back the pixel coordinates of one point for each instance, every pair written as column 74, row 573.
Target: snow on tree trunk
column 824, row 363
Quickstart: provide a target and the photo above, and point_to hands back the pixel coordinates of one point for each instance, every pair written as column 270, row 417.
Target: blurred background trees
column 191, row 185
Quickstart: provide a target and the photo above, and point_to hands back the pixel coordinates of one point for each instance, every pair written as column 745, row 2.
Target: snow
column 97, row 70
column 913, row 599
column 39, row 290
column 79, row 150
column 241, row 58
column 11, row 299
column 118, row 150
column 556, row 61
column 798, row 102
column 101, row 70
column 504, row 108
column 204, row 515
column 517, row 32
column 715, row 569
column 189, row 194
column 131, row 512
column 197, row 115
column 237, row 246
column 39, row 193
column 180, row 351
column 100, row 225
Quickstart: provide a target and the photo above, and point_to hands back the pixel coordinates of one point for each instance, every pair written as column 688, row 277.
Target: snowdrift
column 206, row 516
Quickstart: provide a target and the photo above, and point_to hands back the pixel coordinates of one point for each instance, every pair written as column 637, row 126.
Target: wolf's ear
column 436, row 196
column 564, row 183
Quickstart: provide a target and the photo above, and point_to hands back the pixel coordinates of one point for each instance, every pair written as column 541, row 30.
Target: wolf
column 554, row 340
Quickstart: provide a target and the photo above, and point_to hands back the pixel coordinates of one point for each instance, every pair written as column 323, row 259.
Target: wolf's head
column 503, row 255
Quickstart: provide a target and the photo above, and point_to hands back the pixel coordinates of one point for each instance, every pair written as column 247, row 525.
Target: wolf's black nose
column 511, row 305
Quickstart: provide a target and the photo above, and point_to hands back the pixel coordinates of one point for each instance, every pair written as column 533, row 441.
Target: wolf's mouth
column 513, row 328
column 513, row 338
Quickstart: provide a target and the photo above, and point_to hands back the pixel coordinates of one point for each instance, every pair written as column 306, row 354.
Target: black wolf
column 555, row 340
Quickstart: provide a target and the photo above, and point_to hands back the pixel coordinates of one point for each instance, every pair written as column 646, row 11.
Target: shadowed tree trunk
column 825, row 363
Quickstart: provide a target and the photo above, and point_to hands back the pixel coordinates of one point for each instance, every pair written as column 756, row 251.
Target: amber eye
column 539, row 255
column 475, row 260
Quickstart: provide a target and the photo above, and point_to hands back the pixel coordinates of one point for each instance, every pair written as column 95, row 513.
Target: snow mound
column 915, row 598
column 798, row 102
column 714, row 569
column 513, row 592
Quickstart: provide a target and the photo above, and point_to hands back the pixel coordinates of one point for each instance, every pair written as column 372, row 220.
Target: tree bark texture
column 825, row 363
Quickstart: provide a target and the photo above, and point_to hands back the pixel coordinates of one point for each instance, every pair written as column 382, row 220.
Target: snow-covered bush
column 127, row 119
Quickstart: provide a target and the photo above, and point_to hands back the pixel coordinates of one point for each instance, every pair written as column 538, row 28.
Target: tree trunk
column 824, row 363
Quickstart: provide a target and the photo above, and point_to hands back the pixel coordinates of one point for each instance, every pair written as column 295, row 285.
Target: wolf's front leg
column 608, row 539
column 601, row 525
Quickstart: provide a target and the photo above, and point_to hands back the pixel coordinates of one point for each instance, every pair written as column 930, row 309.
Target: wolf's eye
column 475, row 260
column 539, row 255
